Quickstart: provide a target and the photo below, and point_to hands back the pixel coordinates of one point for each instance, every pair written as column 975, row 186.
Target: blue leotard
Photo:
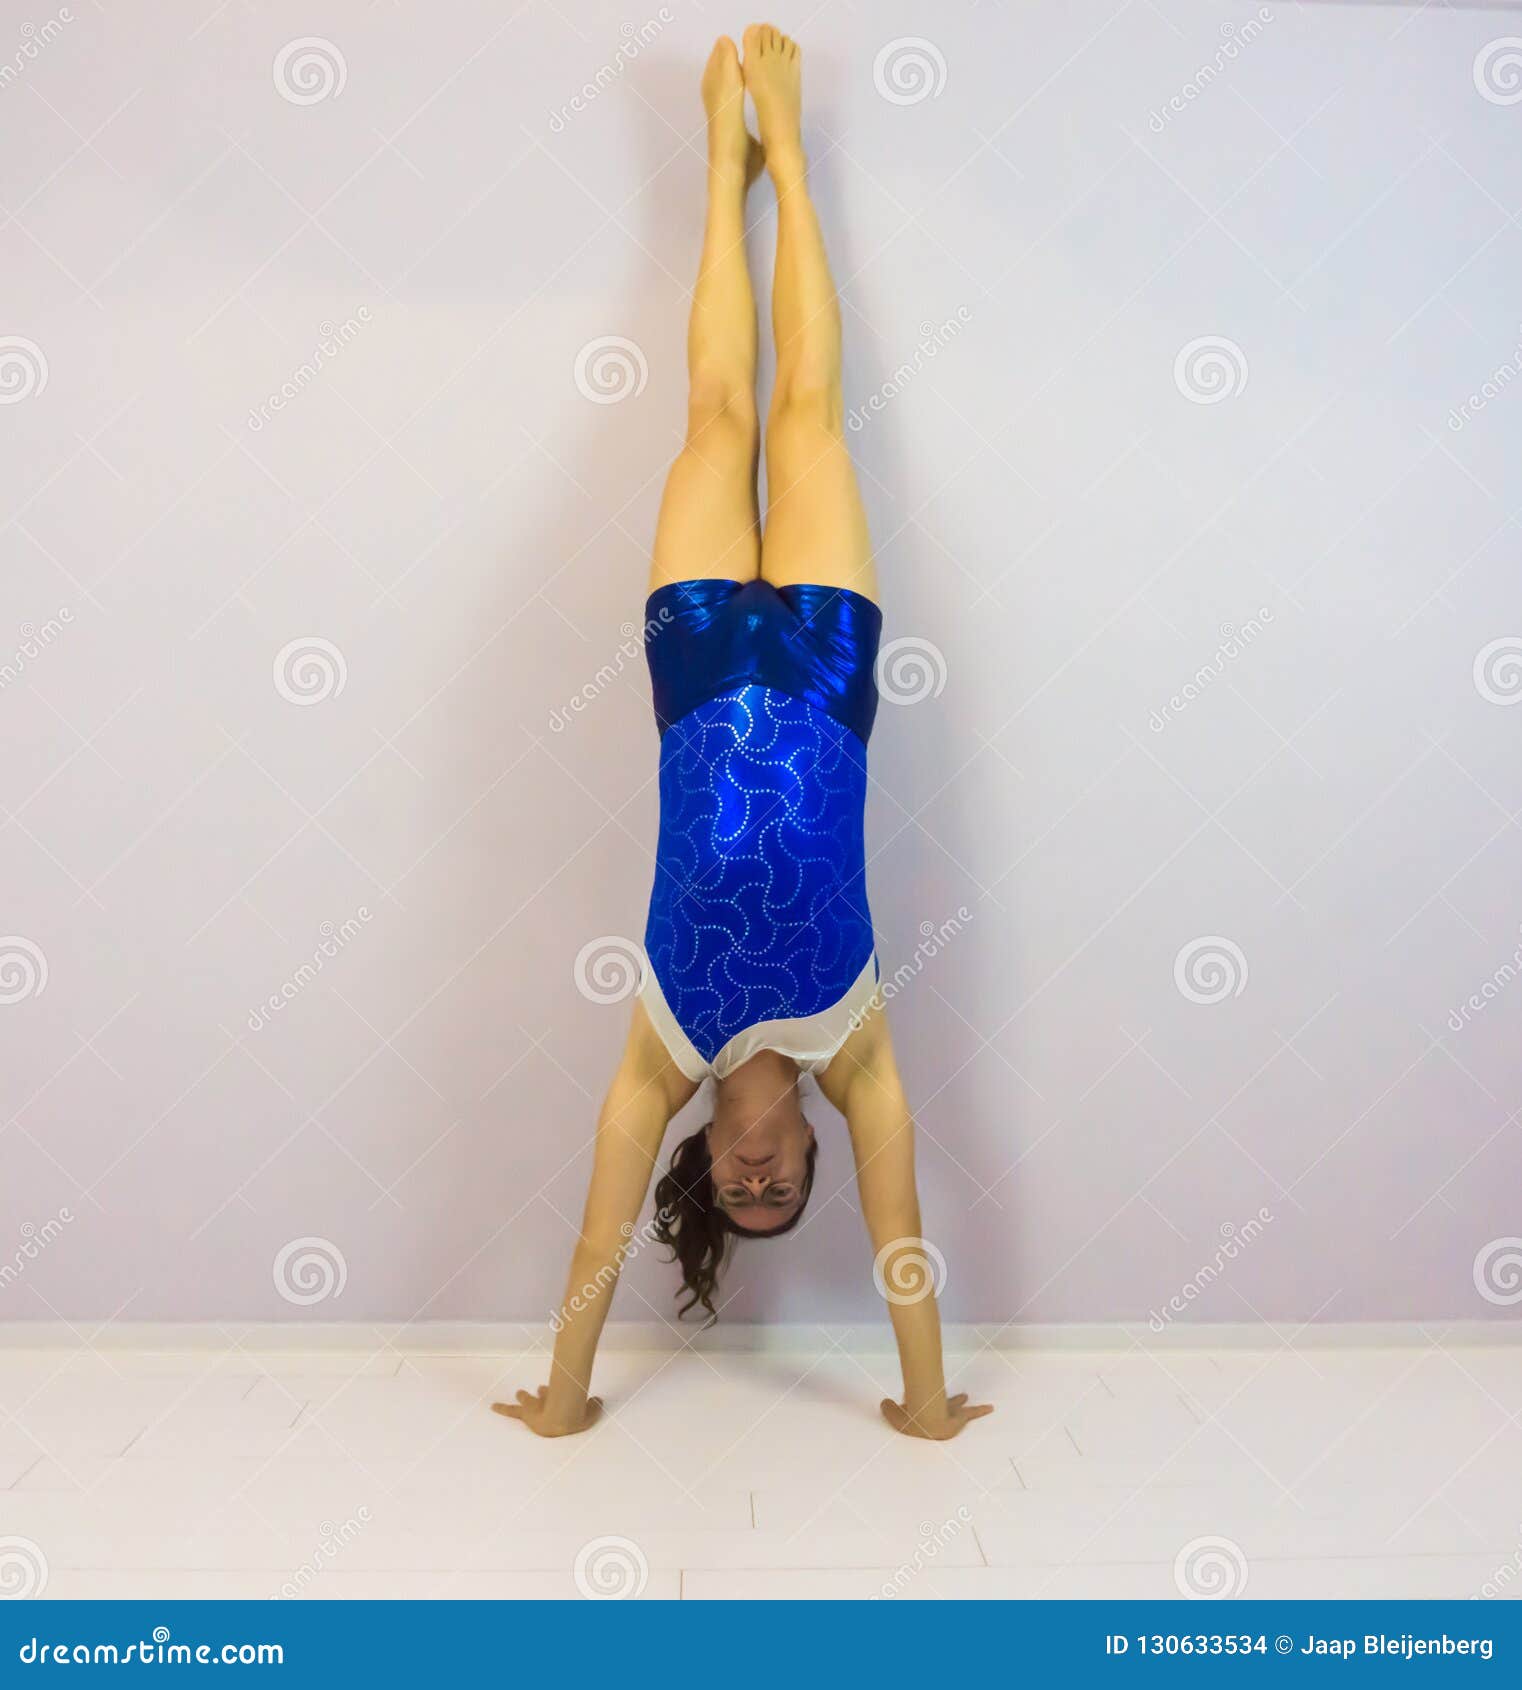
column 759, row 936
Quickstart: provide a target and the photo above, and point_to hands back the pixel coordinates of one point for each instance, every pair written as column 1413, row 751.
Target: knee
column 802, row 406
column 721, row 411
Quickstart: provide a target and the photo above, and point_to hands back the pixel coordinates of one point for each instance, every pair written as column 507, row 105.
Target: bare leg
column 709, row 523
column 816, row 528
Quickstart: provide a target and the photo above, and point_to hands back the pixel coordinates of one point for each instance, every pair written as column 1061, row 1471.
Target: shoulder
column 864, row 1062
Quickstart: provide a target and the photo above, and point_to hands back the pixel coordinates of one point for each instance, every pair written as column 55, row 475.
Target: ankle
column 786, row 164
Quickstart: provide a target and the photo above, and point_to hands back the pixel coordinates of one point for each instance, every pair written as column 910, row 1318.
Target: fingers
column 510, row 1409
column 594, row 1410
column 529, row 1399
column 978, row 1411
column 957, row 1400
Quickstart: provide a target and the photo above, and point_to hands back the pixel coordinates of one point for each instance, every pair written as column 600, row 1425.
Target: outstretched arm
column 647, row 1090
column 863, row 1083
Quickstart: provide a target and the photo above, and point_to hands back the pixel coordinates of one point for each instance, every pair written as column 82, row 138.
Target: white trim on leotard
column 812, row 1041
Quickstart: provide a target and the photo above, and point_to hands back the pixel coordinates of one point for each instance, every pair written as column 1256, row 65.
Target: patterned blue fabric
column 759, row 910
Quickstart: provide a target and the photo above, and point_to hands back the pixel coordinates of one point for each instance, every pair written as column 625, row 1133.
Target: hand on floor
column 534, row 1412
column 958, row 1414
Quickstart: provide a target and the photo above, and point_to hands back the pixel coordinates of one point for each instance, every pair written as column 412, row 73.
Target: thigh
column 709, row 524
column 816, row 525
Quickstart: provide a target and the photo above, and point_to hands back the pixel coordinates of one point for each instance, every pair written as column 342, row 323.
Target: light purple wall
column 1030, row 233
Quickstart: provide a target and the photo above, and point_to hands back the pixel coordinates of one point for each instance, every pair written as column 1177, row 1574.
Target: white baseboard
column 450, row 1337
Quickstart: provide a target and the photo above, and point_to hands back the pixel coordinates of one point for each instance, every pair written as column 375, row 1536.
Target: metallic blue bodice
column 765, row 698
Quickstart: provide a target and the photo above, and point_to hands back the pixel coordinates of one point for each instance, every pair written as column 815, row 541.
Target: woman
column 761, row 650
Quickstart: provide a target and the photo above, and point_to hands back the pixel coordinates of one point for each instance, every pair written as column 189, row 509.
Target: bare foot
column 732, row 149
column 774, row 80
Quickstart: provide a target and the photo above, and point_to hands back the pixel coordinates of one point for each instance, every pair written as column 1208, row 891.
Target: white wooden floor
column 1264, row 1473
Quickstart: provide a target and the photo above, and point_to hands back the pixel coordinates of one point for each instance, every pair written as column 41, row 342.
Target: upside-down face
column 758, row 1143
